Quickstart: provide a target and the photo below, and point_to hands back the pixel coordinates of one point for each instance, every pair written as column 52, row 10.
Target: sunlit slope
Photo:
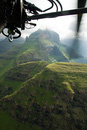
column 55, row 98
column 12, row 80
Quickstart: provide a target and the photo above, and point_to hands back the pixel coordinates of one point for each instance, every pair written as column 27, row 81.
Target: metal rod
column 57, row 14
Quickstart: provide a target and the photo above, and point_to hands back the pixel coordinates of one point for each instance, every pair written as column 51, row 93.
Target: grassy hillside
column 12, row 80
column 38, row 96
column 55, row 98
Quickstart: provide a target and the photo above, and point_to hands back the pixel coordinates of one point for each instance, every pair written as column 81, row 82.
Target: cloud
column 62, row 25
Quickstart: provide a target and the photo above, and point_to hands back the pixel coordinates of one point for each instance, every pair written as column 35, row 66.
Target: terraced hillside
column 55, row 98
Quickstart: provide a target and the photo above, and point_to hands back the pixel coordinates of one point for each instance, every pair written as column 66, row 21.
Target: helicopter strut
column 56, row 14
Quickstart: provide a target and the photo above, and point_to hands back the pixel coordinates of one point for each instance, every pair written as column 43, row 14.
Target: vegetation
column 7, row 122
column 37, row 94
column 55, row 98
column 38, row 47
column 12, row 80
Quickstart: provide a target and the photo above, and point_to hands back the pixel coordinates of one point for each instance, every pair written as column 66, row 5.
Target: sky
column 65, row 26
column 62, row 25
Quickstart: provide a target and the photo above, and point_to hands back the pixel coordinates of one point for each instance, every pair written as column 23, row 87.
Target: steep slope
column 56, row 98
column 12, row 80
column 25, row 71
column 46, row 45
column 42, row 45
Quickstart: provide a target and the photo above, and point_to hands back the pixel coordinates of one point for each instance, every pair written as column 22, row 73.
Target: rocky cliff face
column 43, row 46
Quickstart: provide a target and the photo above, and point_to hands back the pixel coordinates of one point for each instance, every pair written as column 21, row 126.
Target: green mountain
column 35, row 48
column 45, row 45
column 36, row 94
column 40, row 46
column 55, row 98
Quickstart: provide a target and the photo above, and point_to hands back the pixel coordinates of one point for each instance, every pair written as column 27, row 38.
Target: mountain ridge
column 42, row 45
column 55, row 98
column 39, row 88
column 12, row 80
column 39, row 46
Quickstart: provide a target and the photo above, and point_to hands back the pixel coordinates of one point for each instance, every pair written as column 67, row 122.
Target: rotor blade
column 81, row 4
column 76, row 42
column 57, row 14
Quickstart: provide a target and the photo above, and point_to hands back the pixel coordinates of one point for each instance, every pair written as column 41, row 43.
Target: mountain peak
column 45, row 34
